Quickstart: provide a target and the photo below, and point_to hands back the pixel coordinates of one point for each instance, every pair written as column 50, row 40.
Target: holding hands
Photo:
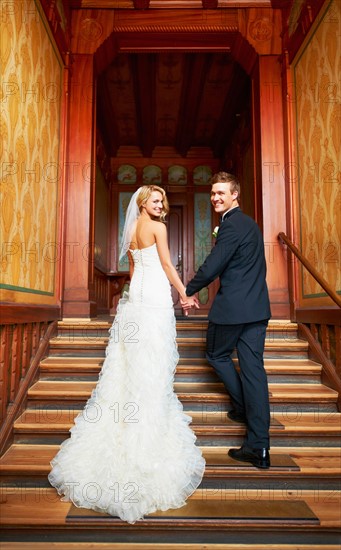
column 188, row 302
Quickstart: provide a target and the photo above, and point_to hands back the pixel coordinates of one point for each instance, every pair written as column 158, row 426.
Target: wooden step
column 210, row 427
column 92, row 366
column 226, row 512
column 200, row 391
column 280, row 327
column 26, row 459
column 61, row 420
column 99, row 342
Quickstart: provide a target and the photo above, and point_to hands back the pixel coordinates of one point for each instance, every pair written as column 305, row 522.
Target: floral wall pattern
column 30, row 171
column 318, row 96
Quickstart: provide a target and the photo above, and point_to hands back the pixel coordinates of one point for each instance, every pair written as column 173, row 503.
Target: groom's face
column 221, row 197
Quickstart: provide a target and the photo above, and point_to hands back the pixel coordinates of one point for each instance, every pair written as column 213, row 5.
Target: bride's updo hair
column 144, row 195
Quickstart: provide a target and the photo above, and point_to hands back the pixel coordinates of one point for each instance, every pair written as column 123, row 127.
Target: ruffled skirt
column 131, row 450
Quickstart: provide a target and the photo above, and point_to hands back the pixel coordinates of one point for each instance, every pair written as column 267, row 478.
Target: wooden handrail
column 324, row 284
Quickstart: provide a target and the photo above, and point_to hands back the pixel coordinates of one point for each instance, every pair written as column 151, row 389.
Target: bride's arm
column 160, row 233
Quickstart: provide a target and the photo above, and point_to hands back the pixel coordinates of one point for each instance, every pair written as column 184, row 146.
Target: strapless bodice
column 149, row 285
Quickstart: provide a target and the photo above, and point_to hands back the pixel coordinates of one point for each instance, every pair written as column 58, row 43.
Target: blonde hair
column 145, row 193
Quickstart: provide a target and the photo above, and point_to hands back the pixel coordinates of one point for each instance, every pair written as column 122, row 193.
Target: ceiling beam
column 144, row 70
column 195, row 71
column 235, row 100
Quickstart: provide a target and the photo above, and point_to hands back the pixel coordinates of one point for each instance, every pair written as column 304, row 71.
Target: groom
column 238, row 317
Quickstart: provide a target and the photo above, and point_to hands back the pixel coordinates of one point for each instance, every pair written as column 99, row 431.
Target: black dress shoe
column 258, row 457
column 236, row 416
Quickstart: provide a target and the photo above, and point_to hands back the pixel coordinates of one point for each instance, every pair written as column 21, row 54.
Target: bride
column 131, row 450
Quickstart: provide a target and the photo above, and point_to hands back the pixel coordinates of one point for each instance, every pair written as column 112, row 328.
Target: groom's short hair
column 224, row 177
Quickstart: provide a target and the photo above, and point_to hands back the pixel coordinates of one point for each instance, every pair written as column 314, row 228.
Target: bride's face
column 154, row 205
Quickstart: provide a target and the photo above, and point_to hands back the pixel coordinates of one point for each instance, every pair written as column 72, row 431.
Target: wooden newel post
column 79, row 231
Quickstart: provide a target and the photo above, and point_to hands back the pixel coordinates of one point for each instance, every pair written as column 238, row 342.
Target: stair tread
column 64, row 388
column 285, row 367
column 98, row 322
column 41, row 454
column 33, row 507
column 295, row 361
column 102, row 341
column 328, row 422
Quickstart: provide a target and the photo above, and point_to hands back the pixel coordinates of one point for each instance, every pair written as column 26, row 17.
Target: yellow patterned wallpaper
column 31, row 95
column 318, row 96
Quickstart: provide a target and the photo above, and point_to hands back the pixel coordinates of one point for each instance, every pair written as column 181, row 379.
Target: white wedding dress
column 131, row 450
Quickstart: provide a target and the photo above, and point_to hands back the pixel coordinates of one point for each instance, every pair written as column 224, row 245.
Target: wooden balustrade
column 321, row 327
column 101, row 286
column 24, row 335
column 19, row 343
column 108, row 288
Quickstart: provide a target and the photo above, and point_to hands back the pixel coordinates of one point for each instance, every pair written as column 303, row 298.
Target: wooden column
column 78, row 281
column 273, row 180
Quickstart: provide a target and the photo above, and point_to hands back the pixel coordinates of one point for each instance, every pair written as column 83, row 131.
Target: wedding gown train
column 131, row 450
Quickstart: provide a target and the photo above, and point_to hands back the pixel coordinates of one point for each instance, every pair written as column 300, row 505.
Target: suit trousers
column 247, row 388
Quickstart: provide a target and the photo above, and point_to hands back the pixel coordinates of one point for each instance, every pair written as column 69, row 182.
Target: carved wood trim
column 327, row 316
column 25, row 313
column 176, row 28
column 308, row 14
column 17, row 406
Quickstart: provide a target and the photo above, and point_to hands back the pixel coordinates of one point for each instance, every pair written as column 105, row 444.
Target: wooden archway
column 252, row 37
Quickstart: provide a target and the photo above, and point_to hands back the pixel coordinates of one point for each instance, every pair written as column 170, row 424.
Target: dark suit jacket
column 238, row 259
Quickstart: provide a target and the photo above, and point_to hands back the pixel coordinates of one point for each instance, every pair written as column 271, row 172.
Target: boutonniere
column 215, row 231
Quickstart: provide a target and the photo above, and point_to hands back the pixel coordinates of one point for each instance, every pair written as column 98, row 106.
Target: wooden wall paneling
column 77, row 300
column 65, row 173
column 93, row 165
column 291, row 181
column 273, row 188
column 256, row 143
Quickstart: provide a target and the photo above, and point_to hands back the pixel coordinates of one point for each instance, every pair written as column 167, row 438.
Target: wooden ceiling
column 171, row 100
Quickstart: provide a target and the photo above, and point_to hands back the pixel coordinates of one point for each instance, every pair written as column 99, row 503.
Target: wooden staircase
column 294, row 504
